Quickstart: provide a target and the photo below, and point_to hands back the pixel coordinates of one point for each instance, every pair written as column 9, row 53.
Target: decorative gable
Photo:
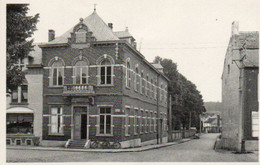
column 81, row 37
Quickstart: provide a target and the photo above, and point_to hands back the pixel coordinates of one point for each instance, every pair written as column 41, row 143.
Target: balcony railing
column 78, row 90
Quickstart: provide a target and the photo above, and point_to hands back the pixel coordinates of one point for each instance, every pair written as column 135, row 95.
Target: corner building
column 97, row 86
column 240, row 119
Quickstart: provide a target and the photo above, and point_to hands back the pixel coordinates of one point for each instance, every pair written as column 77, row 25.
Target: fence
column 179, row 134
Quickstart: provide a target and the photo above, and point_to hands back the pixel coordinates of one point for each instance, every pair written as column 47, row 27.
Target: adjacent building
column 24, row 105
column 239, row 91
column 97, row 86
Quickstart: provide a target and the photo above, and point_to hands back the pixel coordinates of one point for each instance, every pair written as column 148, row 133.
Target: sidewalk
column 139, row 149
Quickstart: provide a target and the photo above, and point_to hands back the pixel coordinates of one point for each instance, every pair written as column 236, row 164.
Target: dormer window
column 81, row 36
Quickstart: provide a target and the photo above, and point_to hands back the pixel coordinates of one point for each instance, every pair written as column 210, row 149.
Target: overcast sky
column 192, row 33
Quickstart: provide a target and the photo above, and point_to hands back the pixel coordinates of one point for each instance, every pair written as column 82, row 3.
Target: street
column 197, row 150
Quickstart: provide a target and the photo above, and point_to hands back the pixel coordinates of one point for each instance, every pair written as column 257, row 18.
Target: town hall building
column 98, row 87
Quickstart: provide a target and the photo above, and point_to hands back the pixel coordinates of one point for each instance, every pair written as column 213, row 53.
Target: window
column 151, row 88
column 24, row 93
column 142, row 121
column 105, row 120
column 20, row 95
column 255, row 124
column 136, row 121
column 161, row 92
column 19, row 123
column 147, row 91
column 146, row 122
column 228, row 68
column 127, row 122
column 151, row 121
column 80, row 73
column 142, row 87
column 56, row 120
column 105, row 72
column 137, row 77
column 56, row 73
column 128, row 76
column 155, row 90
column 81, row 36
column 155, row 123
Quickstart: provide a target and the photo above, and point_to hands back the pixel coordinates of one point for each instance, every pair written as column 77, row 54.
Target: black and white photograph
column 130, row 81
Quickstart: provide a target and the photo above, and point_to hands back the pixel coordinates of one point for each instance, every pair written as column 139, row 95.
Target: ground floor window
column 255, row 124
column 19, row 123
column 105, row 120
column 56, row 120
column 127, row 121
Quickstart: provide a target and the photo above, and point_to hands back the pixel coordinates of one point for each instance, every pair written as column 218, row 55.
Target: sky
column 193, row 33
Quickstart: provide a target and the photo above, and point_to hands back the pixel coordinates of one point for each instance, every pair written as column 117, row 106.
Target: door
column 83, row 126
column 77, row 126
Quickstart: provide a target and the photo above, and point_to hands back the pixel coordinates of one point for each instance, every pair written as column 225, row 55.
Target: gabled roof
column 96, row 25
column 36, row 54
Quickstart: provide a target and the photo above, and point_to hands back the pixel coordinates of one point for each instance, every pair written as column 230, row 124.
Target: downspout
column 158, row 114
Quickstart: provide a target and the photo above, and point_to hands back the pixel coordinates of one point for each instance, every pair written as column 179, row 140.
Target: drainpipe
column 158, row 114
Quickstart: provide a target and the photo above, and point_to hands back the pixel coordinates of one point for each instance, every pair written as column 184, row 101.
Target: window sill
column 127, row 135
column 108, row 135
column 105, row 85
column 135, row 134
column 141, row 133
column 22, row 103
column 56, row 87
column 56, row 135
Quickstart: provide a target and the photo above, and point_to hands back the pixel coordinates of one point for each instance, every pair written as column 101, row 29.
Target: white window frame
column 81, row 77
column 136, row 124
column 51, row 73
column 111, row 124
column 51, row 122
column 127, row 121
column 128, row 74
column 112, row 74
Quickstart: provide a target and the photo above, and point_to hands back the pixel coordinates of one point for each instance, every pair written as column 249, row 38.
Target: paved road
column 199, row 150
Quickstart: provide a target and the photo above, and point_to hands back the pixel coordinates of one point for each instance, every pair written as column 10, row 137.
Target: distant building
column 239, row 91
column 211, row 123
column 24, row 105
column 97, row 86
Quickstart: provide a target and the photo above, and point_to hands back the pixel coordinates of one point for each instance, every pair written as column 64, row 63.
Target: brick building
column 97, row 86
column 239, row 91
column 24, row 105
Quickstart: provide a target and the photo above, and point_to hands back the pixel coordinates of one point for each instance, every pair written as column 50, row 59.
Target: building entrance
column 80, row 123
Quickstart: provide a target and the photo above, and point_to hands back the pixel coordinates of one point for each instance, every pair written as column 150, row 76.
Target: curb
column 140, row 149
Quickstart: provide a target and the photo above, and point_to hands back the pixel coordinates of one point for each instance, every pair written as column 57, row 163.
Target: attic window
column 81, row 36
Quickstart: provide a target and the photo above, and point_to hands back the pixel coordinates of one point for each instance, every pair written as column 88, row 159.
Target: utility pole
column 190, row 120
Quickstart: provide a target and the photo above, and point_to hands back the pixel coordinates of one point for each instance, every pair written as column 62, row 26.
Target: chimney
column 51, row 35
column 126, row 29
column 110, row 25
column 235, row 28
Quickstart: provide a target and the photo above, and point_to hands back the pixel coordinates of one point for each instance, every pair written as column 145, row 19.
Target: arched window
column 136, row 79
column 147, row 86
column 151, row 88
column 105, row 72
column 80, row 73
column 155, row 90
column 56, row 73
column 161, row 92
column 128, row 76
column 142, row 84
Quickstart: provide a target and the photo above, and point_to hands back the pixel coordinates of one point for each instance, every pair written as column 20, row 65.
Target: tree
column 187, row 100
column 20, row 29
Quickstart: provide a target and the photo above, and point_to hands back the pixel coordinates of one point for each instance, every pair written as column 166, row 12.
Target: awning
column 19, row 110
